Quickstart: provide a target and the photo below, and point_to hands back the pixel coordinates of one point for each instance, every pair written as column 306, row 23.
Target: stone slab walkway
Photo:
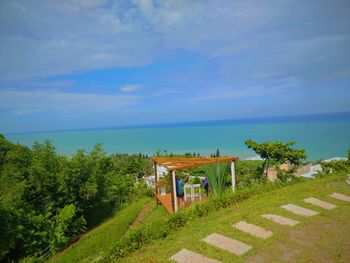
column 187, row 256
column 319, row 203
column 342, row 197
column 253, row 229
column 298, row 210
column 281, row 220
column 231, row 245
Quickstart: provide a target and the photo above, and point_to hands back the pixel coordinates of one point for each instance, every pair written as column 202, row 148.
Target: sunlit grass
column 316, row 237
column 93, row 243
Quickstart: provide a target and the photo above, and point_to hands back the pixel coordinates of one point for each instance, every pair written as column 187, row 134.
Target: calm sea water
column 320, row 139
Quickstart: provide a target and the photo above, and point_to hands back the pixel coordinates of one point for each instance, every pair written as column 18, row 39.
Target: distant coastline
column 328, row 117
column 322, row 136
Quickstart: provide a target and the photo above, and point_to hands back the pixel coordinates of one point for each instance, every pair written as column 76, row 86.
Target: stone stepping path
column 320, row 203
column 253, row 229
column 298, row 210
column 187, row 256
column 231, row 245
column 342, row 197
column 281, row 220
column 239, row 248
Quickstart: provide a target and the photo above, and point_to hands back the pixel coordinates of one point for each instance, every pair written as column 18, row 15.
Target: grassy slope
column 90, row 245
column 320, row 238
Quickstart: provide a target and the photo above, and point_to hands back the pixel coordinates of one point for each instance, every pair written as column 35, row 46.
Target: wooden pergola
column 169, row 201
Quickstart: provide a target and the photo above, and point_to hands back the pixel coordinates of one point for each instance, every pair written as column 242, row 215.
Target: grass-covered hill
column 323, row 237
column 96, row 243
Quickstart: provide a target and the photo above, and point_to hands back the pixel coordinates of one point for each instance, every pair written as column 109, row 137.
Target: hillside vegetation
column 316, row 239
column 46, row 199
column 91, row 245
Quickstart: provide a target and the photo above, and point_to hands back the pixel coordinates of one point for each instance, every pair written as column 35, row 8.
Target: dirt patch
column 144, row 212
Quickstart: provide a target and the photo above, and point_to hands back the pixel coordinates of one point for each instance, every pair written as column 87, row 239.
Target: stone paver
column 340, row 197
column 299, row 210
column 281, row 220
column 231, row 245
column 186, row 256
column 253, row 229
column 320, row 203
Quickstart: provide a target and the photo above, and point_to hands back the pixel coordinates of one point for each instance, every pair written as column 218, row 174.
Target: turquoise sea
column 320, row 137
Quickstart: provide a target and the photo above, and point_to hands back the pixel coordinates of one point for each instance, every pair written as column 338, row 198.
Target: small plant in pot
column 162, row 185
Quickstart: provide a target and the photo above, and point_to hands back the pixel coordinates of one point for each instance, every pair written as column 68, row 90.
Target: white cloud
column 343, row 73
column 277, row 86
column 35, row 101
column 51, row 38
column 130, row 88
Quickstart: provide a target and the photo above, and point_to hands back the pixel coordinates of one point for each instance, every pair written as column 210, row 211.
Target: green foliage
column 215, row 174
column 285, row 175
column 5, row 146
column 90, row 245
column 46, row 200
column 276, row 151
column 195, row 180
column 66, row 227
column 335, row 166
column 248, row 173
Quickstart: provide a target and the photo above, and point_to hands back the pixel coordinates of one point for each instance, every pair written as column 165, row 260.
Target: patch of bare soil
column 145, row 211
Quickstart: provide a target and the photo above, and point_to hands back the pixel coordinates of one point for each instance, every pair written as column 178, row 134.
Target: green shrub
column 285, row 175
column 335, row 166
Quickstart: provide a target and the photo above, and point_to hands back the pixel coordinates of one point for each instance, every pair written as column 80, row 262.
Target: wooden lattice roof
column 174, row 164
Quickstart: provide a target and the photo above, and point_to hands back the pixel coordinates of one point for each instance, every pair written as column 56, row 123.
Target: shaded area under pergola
column 170, row 200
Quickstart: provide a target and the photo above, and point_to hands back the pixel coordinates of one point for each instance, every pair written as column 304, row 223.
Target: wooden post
column 233, row 174
column 174, row 196
column 155, row 181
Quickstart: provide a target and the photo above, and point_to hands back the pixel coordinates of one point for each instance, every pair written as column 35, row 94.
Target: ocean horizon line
column 330, row 116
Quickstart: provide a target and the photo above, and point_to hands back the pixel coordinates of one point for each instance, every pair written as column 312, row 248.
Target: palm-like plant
column 215, row 175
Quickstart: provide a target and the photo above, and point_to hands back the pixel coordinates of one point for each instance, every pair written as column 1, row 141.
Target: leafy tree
column 276, row 151
column 46, row 200
column 5, row 146
column 66, row 226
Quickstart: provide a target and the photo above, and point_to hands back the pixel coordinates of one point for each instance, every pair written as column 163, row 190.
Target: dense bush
column 46, row 199
column 248, row 173
column 335, row 166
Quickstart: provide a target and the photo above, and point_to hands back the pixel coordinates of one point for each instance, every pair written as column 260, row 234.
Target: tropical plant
column 216, row 174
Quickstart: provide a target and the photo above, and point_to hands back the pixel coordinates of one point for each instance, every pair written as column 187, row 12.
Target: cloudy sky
column 95, row 63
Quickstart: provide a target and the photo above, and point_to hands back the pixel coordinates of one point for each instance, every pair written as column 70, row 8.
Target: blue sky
column 95, row 63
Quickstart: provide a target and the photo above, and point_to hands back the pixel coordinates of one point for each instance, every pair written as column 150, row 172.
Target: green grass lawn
column 324, row 237
column 93, row 243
